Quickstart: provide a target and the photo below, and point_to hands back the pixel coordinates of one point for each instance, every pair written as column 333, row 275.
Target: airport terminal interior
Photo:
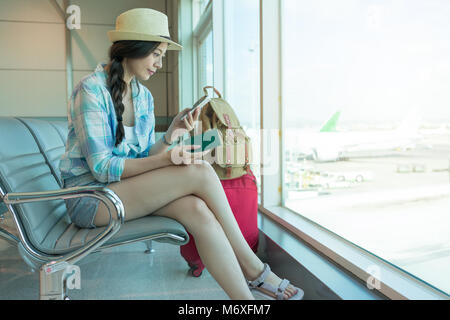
column 345, row 109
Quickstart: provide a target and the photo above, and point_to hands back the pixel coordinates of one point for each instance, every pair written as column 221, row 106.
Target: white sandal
column 259, row 283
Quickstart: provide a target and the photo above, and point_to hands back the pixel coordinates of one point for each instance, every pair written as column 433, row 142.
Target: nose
column 158, row 63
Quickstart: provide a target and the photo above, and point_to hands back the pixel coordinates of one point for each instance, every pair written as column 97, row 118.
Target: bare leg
column 213, row 194
column 212, row 244
column 146, row 193
column 170, row 194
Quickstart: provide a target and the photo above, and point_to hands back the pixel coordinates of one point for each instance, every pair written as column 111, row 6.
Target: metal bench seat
column 31, row 190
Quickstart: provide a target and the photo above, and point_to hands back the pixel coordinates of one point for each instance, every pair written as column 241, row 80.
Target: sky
column 376, row 60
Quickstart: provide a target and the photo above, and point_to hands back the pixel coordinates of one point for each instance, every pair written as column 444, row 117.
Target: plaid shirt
column 90, row 152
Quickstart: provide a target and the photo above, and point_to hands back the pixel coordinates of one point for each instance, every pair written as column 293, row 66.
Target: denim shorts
column 82, row 210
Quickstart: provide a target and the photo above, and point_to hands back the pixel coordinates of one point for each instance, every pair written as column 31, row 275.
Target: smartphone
column 199, row 104
column 207, row 140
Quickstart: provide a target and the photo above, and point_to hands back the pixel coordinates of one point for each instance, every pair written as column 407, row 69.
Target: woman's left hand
column 180, row 127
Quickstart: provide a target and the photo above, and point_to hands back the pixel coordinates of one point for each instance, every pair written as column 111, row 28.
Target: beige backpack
column 233, row 157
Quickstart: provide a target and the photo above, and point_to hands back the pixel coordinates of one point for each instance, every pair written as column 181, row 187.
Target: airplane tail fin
column 330, row 125
column 409, row 125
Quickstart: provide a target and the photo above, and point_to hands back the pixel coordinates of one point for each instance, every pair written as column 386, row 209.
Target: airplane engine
column 326, row 154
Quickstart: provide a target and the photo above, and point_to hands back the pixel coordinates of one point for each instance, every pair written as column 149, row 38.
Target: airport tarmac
column 402, row 217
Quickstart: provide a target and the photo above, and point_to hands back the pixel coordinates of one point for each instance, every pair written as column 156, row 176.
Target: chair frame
column 56, row 272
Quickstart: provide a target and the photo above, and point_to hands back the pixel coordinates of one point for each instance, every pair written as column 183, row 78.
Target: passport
column 209, row 139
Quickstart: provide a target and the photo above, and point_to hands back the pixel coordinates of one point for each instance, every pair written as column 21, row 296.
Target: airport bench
column 31, row 190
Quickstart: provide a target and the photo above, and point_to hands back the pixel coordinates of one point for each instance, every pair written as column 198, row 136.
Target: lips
column 150, row 72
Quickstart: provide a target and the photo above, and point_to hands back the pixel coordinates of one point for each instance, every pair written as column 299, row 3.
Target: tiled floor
column 124, row 272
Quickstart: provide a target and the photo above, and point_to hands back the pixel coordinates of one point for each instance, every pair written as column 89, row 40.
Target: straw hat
column 143, row 24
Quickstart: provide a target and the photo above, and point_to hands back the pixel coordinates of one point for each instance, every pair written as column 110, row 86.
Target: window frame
column 201, row 31
column 191, row 28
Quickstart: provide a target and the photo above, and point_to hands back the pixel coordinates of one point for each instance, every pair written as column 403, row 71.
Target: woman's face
column 144, row 68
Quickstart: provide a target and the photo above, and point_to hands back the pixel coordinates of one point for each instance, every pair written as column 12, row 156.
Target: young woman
column 111, row 142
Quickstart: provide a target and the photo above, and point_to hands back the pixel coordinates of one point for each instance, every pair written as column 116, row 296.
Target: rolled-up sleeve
column 95, row 136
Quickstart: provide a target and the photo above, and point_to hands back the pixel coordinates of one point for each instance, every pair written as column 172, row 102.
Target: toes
column 290, row 292
column 287, row 294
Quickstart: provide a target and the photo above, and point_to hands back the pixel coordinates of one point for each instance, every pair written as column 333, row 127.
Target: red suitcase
column 242, row 195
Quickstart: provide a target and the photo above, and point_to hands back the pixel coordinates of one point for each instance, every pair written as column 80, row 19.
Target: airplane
column 329, row 144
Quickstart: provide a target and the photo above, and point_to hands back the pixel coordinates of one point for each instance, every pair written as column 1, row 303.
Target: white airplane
column 331, row 145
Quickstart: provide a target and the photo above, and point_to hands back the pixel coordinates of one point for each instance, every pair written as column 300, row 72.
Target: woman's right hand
column 180, row 155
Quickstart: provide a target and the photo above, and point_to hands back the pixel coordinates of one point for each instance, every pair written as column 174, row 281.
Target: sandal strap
column 279, row 292
column 281, row 288
column 262, row 277
column 260, row 283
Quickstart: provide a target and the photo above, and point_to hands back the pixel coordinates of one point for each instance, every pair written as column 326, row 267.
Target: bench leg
column 55, row 279
column 149, row 245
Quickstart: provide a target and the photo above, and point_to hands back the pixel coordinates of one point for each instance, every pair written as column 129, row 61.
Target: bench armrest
column 107, row 196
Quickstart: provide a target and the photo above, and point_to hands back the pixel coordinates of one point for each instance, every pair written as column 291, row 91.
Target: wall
column 33, row 54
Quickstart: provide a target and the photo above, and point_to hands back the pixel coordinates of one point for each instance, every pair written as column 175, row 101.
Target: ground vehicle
column 356, row 176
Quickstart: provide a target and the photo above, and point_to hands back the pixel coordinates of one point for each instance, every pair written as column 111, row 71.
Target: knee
column 198, row 213
column 203, row 171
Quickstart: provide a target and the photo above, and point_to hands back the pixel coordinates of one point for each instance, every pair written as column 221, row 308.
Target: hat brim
column 114, row 35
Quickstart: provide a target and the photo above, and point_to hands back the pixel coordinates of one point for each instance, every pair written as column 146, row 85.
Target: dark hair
column 119, row 50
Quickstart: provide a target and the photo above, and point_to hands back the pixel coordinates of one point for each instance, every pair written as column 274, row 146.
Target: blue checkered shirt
column 90, row 152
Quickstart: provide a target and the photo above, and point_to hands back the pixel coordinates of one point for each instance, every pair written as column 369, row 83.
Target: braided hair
column 119, row 50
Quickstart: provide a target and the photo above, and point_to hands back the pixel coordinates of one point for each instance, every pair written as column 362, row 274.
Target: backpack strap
column 227, row 120
column 211, row 87
column 228, row 156
column 229, row 135
column 228, row 172
column 246, row 156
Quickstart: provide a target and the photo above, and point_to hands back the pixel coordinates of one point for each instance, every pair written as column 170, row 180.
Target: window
column 241, row 65
column 366, row 126
column 226, row 56
column 198, row 9
column 205, row 63
column 203, row 46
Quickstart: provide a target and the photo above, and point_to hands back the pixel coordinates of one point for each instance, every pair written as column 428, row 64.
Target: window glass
column 367, row 126
column 205, row 63
column 242, row 68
